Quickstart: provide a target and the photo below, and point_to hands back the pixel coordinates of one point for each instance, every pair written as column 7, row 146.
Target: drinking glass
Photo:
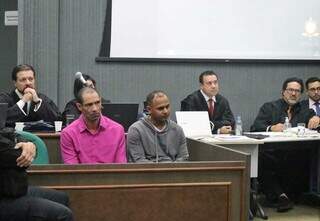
column 301, row 129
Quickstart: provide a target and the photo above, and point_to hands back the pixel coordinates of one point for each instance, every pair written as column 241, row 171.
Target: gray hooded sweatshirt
column 146, row 144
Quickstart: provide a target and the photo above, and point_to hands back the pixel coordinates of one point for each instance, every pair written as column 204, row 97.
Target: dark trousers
column 284, row 168
column 38, row 205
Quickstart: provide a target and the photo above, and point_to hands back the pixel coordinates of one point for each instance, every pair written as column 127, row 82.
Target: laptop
column 123, row 113
column 3, row 114
column 194, row 123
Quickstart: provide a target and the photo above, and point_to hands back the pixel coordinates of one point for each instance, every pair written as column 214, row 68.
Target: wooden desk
column 52, row 141
column 141, row 192
column 250, row 146
column 242, row 144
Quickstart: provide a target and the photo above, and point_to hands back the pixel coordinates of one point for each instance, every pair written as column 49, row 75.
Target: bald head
column 85, row 90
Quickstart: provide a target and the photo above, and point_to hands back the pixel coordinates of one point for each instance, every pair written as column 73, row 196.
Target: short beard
column 292, row 102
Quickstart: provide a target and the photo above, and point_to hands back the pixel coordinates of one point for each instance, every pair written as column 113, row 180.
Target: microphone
column 79, row 76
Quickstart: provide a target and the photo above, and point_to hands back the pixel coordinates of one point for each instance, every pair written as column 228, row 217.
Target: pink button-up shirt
column 106, row 145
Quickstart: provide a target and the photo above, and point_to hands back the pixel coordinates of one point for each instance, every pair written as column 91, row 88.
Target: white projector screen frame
column 213, row 29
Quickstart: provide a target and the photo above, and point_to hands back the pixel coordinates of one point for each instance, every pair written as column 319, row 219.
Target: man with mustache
column 92, row 138
column 272, row 115
column 156, row 138
column 278, row 163
column 25, row 103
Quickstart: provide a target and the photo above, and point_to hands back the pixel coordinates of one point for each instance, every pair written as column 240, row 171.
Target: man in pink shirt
column 92, row 138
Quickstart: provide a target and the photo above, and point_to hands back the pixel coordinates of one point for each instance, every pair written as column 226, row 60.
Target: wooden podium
column 195, row 190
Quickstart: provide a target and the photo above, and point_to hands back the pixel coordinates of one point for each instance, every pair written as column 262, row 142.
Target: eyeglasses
column 314, row 89
column 291, row 90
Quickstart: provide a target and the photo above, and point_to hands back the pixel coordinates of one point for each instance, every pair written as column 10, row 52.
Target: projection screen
column 215, row 29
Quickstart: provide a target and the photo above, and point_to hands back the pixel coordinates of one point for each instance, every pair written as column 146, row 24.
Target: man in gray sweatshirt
column 156, row 138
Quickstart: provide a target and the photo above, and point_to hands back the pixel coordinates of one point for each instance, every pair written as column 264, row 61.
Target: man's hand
column 277, row 127
column 27, row 97
column 225, row 130
column 27, row 155
column 34, row 94
column 314, row 122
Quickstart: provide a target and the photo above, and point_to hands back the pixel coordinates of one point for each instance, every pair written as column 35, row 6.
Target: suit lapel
column 15, row 97
column 202, row 100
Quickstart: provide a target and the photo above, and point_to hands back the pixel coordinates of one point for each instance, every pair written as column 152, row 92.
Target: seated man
column 25, row 103
column 278, row 166
column 92, row 138
column 18, row 202
column 209, row 99
column 71, row 107
column 156, row 138
column 272, row 114
column 313, row 92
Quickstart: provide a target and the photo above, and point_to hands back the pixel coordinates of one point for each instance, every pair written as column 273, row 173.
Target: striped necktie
column 317, row 104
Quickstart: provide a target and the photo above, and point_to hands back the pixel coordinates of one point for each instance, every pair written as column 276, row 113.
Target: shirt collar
column 311, row 103
column 206, row 97
column 18, row 93
column 102, row 123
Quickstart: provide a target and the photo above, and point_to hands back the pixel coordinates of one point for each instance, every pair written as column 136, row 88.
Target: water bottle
column 238, row 126
column 287, row 125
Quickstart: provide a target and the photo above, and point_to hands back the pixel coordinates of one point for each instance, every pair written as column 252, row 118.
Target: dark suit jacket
column 305, row 104
column 274, row 112
column 222, row 115
column 13, row 179
column 48, row 110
